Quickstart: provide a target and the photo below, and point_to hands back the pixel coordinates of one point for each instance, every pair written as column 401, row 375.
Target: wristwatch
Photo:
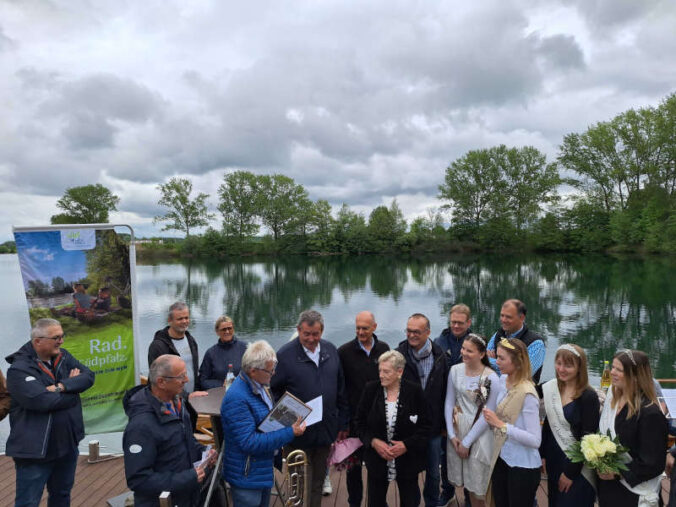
column 503, row 429
column 58, row 389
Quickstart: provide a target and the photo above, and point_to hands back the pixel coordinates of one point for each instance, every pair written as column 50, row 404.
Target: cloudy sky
column 360, row 102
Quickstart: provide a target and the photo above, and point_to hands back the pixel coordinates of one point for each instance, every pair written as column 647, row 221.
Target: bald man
column 359, row 359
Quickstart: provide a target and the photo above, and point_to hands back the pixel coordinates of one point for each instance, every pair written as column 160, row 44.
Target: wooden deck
column 96, row 483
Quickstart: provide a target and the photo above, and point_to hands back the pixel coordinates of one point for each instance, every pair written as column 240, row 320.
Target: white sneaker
column 327, row 489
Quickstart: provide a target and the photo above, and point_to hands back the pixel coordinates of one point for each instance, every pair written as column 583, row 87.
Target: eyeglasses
column 269, row 372
column 183, row 375
column 228, row 329
column 55, row 338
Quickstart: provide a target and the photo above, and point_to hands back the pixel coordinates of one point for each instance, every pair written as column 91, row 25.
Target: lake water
column 600, row 303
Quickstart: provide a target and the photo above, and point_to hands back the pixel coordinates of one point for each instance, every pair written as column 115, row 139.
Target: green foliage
column 8, row 247
column 239, row 201
column 185, row 212
column 386, row 228
column 280, row 198
column 88, row 204
column 108, row 264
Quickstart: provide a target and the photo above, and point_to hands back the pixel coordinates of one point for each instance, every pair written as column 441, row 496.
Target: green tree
column 531, row 182
column 239, row 197
column 475, row 186
column 184, row 212
column 350, row 233
column 88, row 204
column 280, row 198
column 386, row 227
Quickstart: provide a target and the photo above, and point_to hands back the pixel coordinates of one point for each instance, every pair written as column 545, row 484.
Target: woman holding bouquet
column 517, row 432
column 472, row 385
column 572, row 409
column 631, row 413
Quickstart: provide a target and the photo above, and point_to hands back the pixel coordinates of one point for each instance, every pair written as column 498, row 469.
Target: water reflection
column 600, row 303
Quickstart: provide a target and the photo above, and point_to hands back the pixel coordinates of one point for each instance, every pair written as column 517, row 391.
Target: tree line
column 611, row 187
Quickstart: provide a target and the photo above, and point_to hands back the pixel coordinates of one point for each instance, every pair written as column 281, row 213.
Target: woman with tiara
column 572, row 409
column 472, row 385
column 631, row 413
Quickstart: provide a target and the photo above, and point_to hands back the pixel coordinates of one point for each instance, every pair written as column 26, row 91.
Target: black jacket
column 527, row 337
column 645, row 434
column 359, row 369
column 585, row 420
column 42, row 422
column 299, row 375
column 451, row 345
column 216, row 360
column 164, row 344
column 411, row 427
column 435, row 389
column 159, row 451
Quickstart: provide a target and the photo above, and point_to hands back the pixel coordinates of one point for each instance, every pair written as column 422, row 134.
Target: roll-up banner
column 83, row 276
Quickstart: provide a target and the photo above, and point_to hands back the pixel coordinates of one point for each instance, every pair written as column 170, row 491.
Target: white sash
column 560, row 426
column 648, row 491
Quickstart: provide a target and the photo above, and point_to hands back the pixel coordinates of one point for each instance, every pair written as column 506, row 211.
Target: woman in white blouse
column 516, row 429
column 472, row 385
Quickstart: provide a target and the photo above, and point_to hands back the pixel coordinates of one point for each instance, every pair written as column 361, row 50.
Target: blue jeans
column 432, row 475
column 242, row 497
column 32, row 475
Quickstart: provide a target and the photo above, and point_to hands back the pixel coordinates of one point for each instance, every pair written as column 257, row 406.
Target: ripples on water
column 598, row 302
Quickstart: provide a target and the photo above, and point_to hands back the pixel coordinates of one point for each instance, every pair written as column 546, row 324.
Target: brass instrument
column 296, row 472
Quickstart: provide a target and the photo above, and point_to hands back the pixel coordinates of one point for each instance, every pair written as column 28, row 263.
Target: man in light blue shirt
column 513, row 326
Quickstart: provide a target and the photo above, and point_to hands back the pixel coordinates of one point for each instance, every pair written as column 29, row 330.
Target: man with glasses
column 218, row 358
column 248, row 462
column 159, row 447
column 45, row 382
column 309, row 367
column 426, row 365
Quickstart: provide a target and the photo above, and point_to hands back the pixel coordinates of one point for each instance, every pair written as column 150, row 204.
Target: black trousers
column 355, row 486
column 409, row 491
column 514, row 486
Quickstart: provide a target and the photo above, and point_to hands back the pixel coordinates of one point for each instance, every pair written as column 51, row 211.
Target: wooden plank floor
column 96, row 483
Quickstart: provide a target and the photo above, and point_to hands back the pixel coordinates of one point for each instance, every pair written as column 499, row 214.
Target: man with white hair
column 158, row 443
column 248, row 462
column 45, row 382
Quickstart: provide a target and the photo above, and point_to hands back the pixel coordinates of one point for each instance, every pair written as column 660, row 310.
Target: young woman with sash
column 631, row 413
column 472, row 385
column 516, row 428
column 572, row 408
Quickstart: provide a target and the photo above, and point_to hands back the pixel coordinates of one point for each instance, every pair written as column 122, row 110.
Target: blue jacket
column 43, row 422
column 451, row 345
column 299, row 375
column 249, row 456
column 159, row 451
column 214, row 366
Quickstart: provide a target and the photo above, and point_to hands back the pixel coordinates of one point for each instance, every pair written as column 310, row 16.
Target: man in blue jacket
column 45, row 382
column 309, row 367
column 248, row 462
column 158, row 443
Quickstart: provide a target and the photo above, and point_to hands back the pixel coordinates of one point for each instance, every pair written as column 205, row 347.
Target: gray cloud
column 357, row 103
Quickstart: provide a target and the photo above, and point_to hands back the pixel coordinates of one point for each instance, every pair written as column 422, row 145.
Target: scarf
column 559, row 425
column 423, row 360
column 647, row 491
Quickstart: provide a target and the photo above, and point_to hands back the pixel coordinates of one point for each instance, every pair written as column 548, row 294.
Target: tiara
column 569, row 348
column 506, row 343
column 472, row 335
column 630, row 354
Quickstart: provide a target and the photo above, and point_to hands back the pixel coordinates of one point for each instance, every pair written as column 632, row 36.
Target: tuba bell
column 296, row 472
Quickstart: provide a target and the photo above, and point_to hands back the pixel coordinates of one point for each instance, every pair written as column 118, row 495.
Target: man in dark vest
column 513, row 326
column 359, row 359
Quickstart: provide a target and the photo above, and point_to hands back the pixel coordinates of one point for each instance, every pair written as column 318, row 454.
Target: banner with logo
column 82, row 277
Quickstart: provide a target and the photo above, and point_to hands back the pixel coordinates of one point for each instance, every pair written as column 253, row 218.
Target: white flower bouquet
column 599, row 452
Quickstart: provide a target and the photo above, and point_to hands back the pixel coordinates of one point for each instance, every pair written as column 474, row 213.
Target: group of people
column 464, row 409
